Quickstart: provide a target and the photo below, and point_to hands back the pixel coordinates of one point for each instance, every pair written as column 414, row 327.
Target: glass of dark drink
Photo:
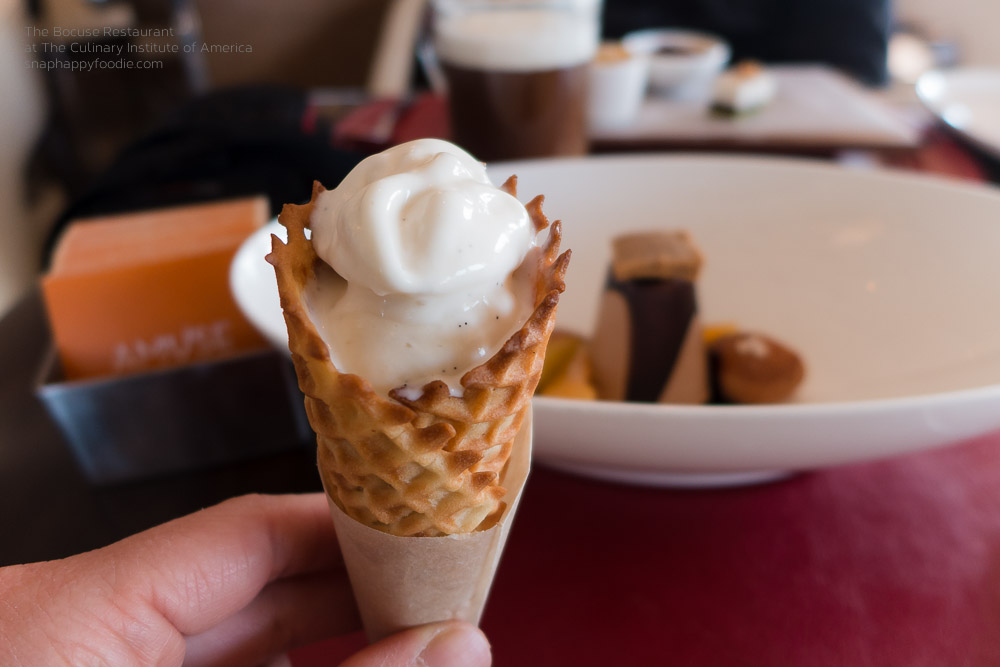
column 517, row 74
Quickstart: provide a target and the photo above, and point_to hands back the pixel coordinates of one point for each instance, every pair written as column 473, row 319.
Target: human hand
column 236, row 584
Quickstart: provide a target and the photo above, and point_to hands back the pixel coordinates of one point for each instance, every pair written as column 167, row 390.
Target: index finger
column 204, row 567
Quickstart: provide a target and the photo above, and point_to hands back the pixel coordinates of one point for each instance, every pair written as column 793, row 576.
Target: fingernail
column 459, row 645
column 279, row 661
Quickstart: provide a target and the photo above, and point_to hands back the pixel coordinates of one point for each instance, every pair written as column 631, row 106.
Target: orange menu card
column 150, row 289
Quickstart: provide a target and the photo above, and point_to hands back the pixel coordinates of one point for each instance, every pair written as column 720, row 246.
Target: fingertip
column 457, row 644
column 445, row 644
column 279, row 661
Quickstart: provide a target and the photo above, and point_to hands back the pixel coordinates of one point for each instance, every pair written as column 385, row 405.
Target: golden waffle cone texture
column 429, row 466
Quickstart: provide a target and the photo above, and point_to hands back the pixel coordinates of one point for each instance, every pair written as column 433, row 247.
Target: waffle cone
column 427, row 465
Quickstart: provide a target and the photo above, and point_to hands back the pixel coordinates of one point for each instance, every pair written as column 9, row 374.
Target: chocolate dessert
column 648, row 343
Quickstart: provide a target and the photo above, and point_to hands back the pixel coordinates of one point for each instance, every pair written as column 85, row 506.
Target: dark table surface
column 48, row 509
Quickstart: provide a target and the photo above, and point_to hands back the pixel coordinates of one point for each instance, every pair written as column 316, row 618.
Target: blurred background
column 231, row 97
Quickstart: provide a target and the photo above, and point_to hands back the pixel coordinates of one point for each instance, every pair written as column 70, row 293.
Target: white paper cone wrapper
column 401, row 582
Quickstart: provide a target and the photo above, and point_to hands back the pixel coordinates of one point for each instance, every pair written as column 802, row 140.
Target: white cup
column 618, row 81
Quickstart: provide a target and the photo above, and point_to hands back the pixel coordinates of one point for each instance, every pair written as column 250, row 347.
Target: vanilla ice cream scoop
column 428, row 248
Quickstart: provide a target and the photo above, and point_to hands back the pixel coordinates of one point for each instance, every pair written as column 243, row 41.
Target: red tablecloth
column 889, row 563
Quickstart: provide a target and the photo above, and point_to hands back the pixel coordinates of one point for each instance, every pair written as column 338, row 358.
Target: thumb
column 447, row 644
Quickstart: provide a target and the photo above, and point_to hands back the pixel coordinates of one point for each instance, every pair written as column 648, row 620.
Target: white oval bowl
column 681, row 75
column 887, row 283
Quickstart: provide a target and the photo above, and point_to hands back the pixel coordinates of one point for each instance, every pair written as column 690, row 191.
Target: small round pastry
column 754, row 368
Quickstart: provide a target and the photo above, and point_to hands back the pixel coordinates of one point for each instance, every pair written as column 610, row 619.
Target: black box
column 168, row 421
